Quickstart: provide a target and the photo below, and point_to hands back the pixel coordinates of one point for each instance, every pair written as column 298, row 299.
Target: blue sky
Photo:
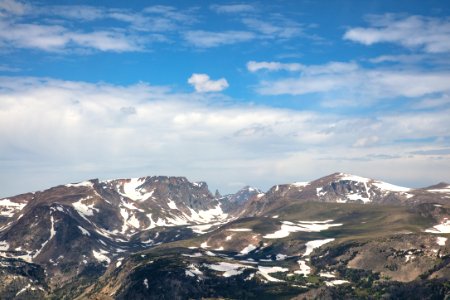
column 232, row 93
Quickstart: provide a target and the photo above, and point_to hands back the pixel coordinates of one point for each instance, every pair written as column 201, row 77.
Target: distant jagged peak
column 250, row 189
column 243, row 195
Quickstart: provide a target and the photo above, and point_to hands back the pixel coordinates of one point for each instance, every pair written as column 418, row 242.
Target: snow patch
column 84, row 231
column 304, row 268
column 130, row 206
column 281, row 256
column 172, row 204
column 239, row 229
column 311, row 245
column 133, row 221
column 207, row 216
column 336, row 282
column 306, row 226
column 390, row 187
column 80, row 184
column 326, row 275
column 441, row 240
column 4, row 246
column 443, row 227
column 8, row 208
column 229, row 269
column 198, row 254
column 100, row 256
column 84, row 209
column 201, row 229
column 442, row 190
column 52, row 234
column 132, row 190
column 193, row 271
column 145, row 283
column 300, row 184
column 351, row 177
column 265, row 271
column 247, row 249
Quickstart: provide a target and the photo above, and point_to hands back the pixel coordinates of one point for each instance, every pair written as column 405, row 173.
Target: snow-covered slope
column 343, row 188
column 95, row 222
column 79, row 227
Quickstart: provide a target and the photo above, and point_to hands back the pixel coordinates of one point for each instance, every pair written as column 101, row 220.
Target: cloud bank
column 62, row 130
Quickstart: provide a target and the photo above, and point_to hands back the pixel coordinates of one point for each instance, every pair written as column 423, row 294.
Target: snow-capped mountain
column 57, row 242
column 94, row 222
column 344, row 188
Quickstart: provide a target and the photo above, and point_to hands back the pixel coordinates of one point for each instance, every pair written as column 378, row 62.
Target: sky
column 232, row 93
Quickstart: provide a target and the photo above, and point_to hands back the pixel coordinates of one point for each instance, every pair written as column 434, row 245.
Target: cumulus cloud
column 430, row 34
column 202, row 83
column 63, row 131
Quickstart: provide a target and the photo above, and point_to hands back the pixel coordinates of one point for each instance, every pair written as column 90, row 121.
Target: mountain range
column 338, row 237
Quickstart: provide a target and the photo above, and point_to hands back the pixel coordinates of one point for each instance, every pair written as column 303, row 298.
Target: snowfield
column 307, row 226
column 443, row 227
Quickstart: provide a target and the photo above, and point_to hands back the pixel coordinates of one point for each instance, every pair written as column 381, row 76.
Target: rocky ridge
column 58, row 242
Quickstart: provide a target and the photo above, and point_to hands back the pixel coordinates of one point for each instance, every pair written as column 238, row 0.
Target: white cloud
column 56, row 28
column 417, row 32
column 405, row 58
column 6, row 68
column 279, row 28
column 254, row 66
column 351, row 81
column 366, row 141
column 58, row 38
column 233, row 8
column 80, row 12
column 202, row 83
column 209, row 39
column 106, row 41
column 430, row 103
column 329, row 68
column 65, row 131
column 14, row 7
